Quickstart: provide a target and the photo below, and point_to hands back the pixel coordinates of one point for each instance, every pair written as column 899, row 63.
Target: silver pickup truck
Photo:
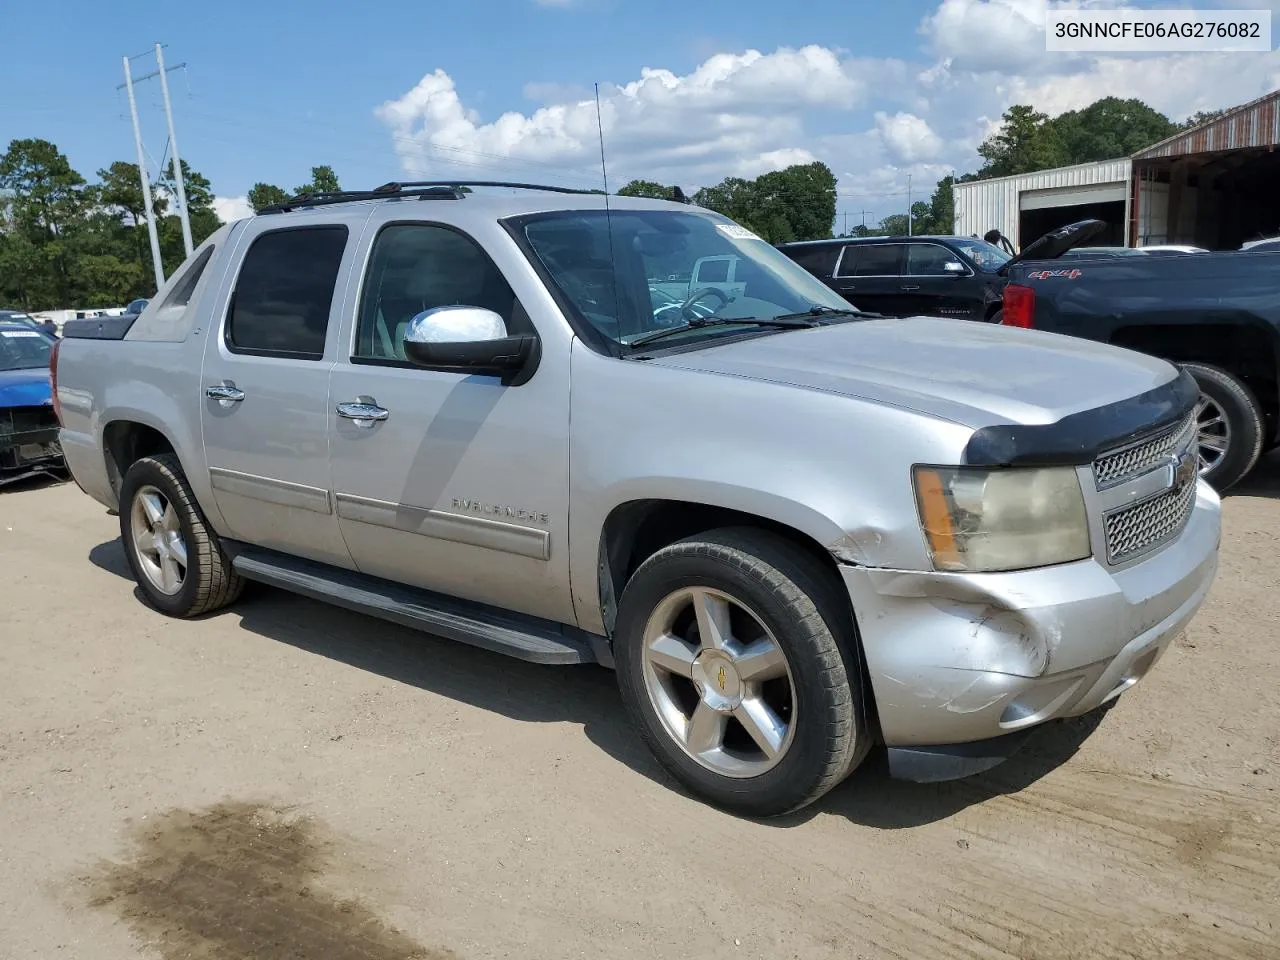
column 798, row 532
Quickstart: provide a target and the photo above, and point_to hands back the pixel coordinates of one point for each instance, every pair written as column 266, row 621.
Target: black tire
column 210, row 581
column 1244, row 418
column 803, row 605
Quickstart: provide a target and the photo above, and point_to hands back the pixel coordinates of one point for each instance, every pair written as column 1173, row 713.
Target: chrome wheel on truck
column 719, row 682
column 738, row 659
column 176, row 559
column 1230, row 426
column 157, row 540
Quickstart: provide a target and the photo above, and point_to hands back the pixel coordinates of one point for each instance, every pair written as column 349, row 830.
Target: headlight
column 986, row 520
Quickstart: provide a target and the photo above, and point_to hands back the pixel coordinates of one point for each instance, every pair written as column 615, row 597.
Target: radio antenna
column 608, row 216
column 604, row 171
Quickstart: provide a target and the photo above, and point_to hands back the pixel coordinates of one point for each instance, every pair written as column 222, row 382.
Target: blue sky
column 880, row 91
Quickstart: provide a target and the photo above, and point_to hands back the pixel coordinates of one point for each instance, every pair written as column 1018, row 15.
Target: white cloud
column 874, row 121
column 735, row 110
column 232, row 208
column 908, row 137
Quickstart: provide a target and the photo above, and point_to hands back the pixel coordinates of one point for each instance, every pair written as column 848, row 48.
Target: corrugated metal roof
column 1253, row 124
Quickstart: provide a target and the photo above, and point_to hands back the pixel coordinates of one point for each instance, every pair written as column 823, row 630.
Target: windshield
column 985, row 255
column 23, row 349
column 665, row 268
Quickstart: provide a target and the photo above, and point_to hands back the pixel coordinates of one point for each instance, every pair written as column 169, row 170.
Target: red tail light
column 1019, row 306
column 53, row 380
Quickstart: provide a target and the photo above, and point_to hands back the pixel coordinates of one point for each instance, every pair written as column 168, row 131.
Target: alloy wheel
column 1213, row 433
column 719, row 681
column 157, row 540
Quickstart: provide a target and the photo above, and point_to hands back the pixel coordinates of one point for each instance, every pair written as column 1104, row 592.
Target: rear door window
column 876, row 260
column 284, row 292
column 820, row 260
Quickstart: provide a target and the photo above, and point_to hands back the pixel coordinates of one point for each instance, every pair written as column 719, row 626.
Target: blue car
column 28, row 427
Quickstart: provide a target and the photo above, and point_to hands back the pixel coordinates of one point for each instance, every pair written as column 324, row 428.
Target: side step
column 525, row 638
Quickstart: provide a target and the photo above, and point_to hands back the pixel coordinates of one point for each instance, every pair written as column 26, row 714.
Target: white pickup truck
column 797, row 532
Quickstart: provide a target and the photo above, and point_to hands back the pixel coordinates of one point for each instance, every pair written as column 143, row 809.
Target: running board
column 525, row 638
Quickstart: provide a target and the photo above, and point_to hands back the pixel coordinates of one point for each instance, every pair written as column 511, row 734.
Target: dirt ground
column 284, row 779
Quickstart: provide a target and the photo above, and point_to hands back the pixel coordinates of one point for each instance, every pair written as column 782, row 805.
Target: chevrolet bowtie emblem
column 720, row 679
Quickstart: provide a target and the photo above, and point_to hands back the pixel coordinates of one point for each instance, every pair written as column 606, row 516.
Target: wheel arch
column 1247, row 351
column 636, row 529
column 126, row 440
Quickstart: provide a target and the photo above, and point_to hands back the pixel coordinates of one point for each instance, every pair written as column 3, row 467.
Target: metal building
column 1026, row 205
column 1216, row 185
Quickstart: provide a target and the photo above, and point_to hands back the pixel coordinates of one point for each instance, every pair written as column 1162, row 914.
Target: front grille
column 1137, row 529
column 1133, row 461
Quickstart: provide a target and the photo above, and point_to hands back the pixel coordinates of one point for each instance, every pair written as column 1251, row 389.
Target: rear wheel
column 175, row 558
column 737, row 660
column 1230, row 426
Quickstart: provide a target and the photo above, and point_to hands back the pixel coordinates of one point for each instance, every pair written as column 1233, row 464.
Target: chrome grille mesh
column 1138, row 459
column 1135, row 529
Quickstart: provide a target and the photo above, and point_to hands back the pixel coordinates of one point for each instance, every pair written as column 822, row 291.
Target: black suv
column 909, row 276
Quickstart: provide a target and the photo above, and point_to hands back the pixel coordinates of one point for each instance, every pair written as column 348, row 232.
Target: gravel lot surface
column 284, row 779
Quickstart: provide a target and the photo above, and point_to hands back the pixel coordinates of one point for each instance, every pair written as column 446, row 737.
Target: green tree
column 939, row 214
column 1199, row 117
column 265, row 195
column 323, row 180
column 797, row 203
column 646, row 188
column 1026, row 141
column 199, row 189
column 894, row 225
column 1109, row 128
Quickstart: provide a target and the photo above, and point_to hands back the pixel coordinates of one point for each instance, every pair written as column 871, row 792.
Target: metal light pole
column 908, row 204
column 146, row 184
column 177, row 161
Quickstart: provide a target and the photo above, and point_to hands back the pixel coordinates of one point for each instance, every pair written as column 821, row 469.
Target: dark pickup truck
column 1215, row 314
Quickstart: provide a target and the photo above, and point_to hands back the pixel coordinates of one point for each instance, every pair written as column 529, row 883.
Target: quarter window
column 285, row 291
column 416, row 267
column 819, row 260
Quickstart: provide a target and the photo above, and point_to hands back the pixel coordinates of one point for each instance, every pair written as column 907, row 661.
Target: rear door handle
column 364, row 411
column 226, row 391
column 911, row 286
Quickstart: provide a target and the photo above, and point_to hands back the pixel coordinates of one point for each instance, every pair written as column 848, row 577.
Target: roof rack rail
column 304, row 200
column 423, row 190
column 460, row 184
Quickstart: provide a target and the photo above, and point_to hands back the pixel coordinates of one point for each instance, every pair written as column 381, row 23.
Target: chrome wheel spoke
column 672, row 654
column 705, row 688
column 705, row 730
column 153, row 509
column 1211, row 442
column 178, row 550
column 712, row 612
column 765, row 727
column 1214, row 422
column 761, row 660
column 170, row 575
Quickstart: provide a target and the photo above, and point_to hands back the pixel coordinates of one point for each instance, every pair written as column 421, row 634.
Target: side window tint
column 929, row 260
column 416, row 267
column 879, row 260
column 818, row 260
column 848, row 262
column 284, row 292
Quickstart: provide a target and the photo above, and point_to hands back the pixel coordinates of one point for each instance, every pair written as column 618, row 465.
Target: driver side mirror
column 462, row 339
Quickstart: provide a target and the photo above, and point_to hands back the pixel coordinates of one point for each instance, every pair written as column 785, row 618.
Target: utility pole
column 846, row 224
column 177, row 161
column 146, row 183
column 908, row 204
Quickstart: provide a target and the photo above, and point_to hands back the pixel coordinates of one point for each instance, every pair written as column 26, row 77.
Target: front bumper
column 960, row 658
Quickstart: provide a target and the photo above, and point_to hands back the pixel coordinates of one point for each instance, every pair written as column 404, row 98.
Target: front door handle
column 364, row 411
column 225, row 391
column 909, row 286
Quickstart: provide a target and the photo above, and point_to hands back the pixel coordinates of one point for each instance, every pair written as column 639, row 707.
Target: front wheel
column 1230, row 426
column 738, row 662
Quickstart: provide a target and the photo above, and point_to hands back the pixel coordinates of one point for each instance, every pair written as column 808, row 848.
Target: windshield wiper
column 820, row 311
column 797, row 320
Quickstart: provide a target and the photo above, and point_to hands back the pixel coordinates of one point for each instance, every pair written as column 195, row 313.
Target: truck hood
column 972, row 373
column 25, row 388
